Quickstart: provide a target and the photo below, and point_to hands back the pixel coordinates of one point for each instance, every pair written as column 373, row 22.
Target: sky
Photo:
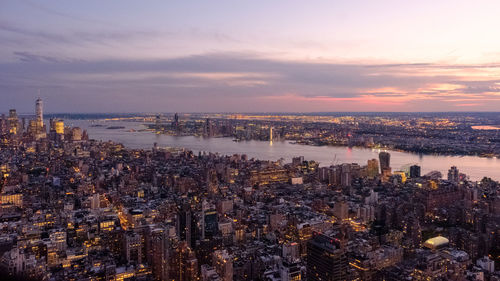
column 250, row 56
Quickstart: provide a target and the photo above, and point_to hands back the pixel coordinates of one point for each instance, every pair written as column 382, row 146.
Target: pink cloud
column 468, row 104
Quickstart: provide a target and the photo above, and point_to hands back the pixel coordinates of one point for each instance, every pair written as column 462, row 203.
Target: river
column 473, row 166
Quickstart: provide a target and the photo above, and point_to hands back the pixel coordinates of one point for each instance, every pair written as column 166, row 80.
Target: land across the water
column 137, row 135
column 445, row 133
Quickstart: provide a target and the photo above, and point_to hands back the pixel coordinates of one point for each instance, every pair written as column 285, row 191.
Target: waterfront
column 475, row 167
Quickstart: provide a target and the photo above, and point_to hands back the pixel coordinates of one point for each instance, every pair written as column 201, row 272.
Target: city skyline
column 278, row 57
column 226, row 140
column 191, row 197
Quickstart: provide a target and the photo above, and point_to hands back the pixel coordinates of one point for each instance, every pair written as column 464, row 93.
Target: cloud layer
column 246, row 83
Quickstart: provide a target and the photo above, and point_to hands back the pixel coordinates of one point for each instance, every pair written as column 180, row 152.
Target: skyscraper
column 209, row 128
column 3, row 124
column 184, row 265
column 59, row 127
column 453, row 174
column 186, row 225
column 209, row 223
column 13, row 121
column 346, row 176
column 223, row 264
column 326, row 259
column 372, row 168
column 160, row 253
column 385, row 161
column 132, row 247
column 39, row 112
column 415, row 171
column 176, row 122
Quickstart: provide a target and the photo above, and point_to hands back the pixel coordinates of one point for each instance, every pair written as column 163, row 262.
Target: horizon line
column 260, row 112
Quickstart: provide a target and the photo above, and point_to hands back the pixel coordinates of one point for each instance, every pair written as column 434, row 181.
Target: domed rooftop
column 436, row 242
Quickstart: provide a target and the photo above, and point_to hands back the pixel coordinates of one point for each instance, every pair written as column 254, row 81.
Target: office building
column 415, row 171
column 372, row 168
column 385, row 161
column 223, row 264
column 453, row 174
column 326, row 259
column 39, row 112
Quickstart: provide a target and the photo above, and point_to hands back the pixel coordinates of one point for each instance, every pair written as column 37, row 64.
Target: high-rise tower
column 39, row 112
column 385, row 160
column 13, row 121
column 175, row 124
column 415, row 171
column 326, row 259
column 453, row 174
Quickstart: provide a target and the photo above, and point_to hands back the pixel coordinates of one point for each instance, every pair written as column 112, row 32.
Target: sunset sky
column 250, row 56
